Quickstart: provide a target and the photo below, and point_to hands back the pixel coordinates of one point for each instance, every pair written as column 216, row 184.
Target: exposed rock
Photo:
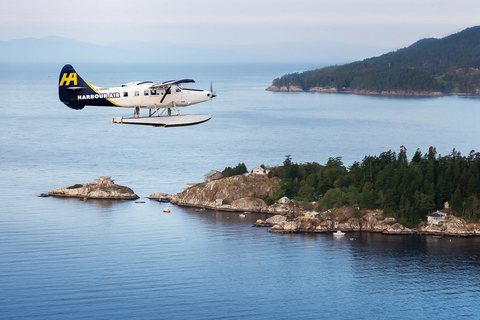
column 282, row 209
column 292, row 88
column 249, row 192
column 162, row 197
column 238, row 193
column 295, row 89
column 371, row 221
column 95, row 191
column 324, row 90
column 261, row 223
column 276, row 219
column 397, row 228
column 454, row 226
column 284, row 89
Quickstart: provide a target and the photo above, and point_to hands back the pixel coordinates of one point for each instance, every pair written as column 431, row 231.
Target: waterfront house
column 437, row 217
column 260, row 170
column 212, row 175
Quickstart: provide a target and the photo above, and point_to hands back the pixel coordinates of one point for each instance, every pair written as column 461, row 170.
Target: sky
column 382, row 23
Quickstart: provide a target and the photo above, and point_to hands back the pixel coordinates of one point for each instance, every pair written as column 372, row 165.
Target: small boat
column 166, row 210
column 241, row 215
column 339, row 233
column 200, row 209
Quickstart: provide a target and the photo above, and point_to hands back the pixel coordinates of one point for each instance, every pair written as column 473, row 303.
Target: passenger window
column 125, row 94
column 145, row 92
column 137, row 93
column 178, row 89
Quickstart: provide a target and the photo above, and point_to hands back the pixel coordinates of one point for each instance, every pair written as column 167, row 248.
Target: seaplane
column 159, row 98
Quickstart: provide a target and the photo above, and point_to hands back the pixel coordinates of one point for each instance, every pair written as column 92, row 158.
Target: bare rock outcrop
column 454, row 226
column 95, row 191
column 289, row 88
column 237, row 193
column 161, row 197
column 369, row 221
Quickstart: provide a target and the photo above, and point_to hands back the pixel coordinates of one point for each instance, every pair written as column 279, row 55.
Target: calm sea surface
column 72, row 259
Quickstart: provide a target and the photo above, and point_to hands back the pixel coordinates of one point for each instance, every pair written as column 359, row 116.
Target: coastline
column 293, row 88
column 248, row 193
column 302, row 217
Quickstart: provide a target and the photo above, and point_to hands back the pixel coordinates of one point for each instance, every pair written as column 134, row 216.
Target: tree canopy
column 240, row 169
column 447, row 65
column 406, row 189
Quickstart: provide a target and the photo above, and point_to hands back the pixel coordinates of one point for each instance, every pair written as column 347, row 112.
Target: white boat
column 241, row 215
column 339, row 233
column 166, row 210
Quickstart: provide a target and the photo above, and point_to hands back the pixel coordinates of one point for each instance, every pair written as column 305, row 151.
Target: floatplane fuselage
column 158, row 98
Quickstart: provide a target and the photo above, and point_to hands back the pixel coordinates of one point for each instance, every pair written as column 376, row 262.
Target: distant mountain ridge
column 64, row 50
column 429, row 66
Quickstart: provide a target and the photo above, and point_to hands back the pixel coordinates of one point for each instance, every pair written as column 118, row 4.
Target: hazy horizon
column 265, row 25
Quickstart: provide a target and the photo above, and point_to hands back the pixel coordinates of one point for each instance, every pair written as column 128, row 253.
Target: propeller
column 211, row 90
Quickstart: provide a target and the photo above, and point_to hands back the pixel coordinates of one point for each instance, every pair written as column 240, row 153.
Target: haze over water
column 70, row 259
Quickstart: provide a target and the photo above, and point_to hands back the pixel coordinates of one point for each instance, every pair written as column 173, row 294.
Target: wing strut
column 167, row 91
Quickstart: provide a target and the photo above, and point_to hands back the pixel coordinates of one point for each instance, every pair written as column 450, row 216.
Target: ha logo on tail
column 159, row 98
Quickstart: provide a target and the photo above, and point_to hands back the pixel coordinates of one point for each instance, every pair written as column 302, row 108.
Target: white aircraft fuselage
column 76, row 93
column 141, row 94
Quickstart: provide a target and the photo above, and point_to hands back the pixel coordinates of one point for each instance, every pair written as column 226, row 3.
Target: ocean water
column 72, row 259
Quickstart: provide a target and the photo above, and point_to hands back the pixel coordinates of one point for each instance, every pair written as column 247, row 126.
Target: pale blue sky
column 383, row 23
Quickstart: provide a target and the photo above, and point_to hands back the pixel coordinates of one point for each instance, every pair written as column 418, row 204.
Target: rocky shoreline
column 372, row 221
column 254, row 193
column 293, row 88
column 250, row 193
column 243, row 193
column 103, row 188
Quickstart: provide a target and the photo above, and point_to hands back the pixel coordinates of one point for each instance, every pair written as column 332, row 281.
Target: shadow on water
column 98, row 203
column 216, row 216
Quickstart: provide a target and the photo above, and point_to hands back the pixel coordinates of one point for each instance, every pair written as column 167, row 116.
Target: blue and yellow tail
column 70, row 85
column 76, row 93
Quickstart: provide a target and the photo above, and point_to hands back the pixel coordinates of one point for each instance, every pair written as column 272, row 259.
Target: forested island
column 388, row 193
column 447, row 66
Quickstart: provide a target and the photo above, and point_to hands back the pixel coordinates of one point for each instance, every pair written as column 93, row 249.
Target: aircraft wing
column 168, row 84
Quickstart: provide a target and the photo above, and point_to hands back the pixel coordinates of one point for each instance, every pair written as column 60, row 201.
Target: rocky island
column 102, row 188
